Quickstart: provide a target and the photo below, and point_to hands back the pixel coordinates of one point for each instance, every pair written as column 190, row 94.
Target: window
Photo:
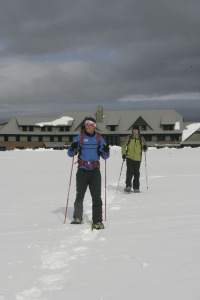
column 40, row 138
column 24, row 128
column 5, row 138
column 49, row 128
column 20, row 148
column 168, row 127
column 71, row 138
column 66, row 128
column 30, row 128
column 112, row 139
column 148, row 138
column 143, row 127
column 29, row 138
column 112, row 128
column 51, row 138
column 161, row 138
column 43, row 128
column 174, row 138
column 17, row 138
column 60, row 138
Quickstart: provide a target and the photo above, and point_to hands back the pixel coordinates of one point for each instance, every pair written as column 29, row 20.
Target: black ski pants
column 85, row 178
column 133, row 169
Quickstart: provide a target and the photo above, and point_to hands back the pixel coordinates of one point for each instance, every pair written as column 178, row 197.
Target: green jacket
column 135, row 147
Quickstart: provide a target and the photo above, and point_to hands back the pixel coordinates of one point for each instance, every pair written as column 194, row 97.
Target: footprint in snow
column 88, row 234
column 52, row 282
column 31, row 294
column 55, row 260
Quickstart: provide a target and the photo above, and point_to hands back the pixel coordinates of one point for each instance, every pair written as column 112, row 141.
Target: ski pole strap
column 94, row 164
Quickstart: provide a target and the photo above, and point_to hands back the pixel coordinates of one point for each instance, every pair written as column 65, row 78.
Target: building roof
column 113, row 120
column 169, row 119
column 31, row 121
column 123, row 119
column 126, row 118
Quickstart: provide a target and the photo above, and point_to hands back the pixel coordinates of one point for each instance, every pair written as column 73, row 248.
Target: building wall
column 194, row 137
column 25, row 145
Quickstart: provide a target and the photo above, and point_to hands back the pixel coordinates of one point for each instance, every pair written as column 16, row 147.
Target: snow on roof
column 190, row 129
column 62, row 121
column 177, row 126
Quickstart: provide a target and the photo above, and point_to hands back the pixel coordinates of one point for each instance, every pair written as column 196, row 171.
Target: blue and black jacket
column 90, row 151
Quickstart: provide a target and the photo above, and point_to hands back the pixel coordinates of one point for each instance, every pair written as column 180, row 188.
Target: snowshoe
column 97, row 225
column 127, row 189
column 77, row 221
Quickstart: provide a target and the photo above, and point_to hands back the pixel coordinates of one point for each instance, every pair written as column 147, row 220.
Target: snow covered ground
column 149, row 250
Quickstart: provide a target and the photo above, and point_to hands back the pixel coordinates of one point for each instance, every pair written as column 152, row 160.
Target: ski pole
column 146, row 170
column 120, row 175
column 69, row 186
column 105, row 186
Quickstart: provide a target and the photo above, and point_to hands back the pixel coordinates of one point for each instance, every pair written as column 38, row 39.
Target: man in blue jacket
column 89, row 145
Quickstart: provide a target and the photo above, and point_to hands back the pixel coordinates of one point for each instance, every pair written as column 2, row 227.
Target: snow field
column 148, row 250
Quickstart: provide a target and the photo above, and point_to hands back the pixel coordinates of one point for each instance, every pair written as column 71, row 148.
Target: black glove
column 74, row 145
column 106, row 148
column 144, row 147
column 124, row 156
column 99, row 152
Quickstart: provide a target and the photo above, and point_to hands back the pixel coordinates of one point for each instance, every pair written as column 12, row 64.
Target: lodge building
column 160, row 128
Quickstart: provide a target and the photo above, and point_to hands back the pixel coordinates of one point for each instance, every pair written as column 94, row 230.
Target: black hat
column 136, row 127
column 91, row 119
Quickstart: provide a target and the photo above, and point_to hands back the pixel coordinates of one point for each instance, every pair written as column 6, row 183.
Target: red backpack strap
column 82, row 138
column 81, row 141
column 98, row 138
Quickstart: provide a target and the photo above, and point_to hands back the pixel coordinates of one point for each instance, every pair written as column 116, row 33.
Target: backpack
column 83, row 137
column 93, row 163
column 140, row 139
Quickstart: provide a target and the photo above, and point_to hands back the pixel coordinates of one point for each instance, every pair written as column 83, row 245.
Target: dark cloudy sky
column 59, row 55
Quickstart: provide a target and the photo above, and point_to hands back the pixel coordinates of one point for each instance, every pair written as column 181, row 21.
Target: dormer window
column 143, row 127
column 142, row 124
column 168, row 127
column 64, row 128
column 112, row 128
column 24, row 128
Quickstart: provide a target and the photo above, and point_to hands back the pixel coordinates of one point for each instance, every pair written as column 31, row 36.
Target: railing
column 167, row 144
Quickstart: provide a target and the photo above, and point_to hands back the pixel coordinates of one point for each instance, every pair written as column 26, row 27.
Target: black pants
column 133, row 169
column 85, row 178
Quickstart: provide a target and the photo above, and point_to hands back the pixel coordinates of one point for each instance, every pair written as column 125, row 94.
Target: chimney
column 99, row 114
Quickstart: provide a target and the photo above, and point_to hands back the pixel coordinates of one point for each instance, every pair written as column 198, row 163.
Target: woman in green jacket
column 132, row 152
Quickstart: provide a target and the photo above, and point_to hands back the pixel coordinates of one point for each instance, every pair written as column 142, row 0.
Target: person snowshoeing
column 132, row 153
column 89, row 145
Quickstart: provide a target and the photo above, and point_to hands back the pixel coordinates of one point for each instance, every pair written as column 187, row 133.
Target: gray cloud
column 98, row 52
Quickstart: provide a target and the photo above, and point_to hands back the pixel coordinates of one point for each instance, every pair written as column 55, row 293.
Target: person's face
column 89, row 129
column 135, row 131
